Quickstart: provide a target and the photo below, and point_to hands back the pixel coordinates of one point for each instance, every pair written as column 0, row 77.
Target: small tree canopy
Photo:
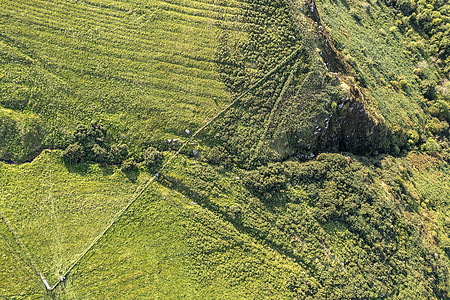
column 74, row 154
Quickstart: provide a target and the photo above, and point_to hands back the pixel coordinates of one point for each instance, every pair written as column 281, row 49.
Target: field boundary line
column 269, row 119
column 140, row 190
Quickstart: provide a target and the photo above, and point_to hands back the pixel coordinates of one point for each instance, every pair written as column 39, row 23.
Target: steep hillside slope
column 224, row 149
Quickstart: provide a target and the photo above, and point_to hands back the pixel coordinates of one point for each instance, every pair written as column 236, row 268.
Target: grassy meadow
column 56, row 211
column 309, row 186
column 147, row 69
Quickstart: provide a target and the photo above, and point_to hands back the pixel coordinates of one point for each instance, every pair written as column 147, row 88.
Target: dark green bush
column 100, row 154
column 129, row 165
column 219, row 156
column 92, row 143
column 151, row 156
column 74, row 153
column 119, row 152
column 90, row 135
column 266, row 180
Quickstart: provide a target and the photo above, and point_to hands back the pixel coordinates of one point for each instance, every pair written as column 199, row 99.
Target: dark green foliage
column 129, row 165
column 93, row 143
column 74, row 154
column 218, row 155
column 89, row 145
column 151, row 156
column 100, row 154
column 119, row 152
column 442, row 110
column 88, row 136
column 266, row 181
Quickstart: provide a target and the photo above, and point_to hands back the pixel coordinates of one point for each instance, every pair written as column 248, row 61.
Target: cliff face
column 352, row 129
column 315, row 103
column 353, row 126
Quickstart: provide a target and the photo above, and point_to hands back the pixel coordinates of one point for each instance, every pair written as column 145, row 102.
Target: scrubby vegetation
column 320, row 171
column 348, row 222
column 20, row 135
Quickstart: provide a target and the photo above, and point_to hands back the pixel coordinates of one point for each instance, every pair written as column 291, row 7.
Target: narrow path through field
column 58, row 261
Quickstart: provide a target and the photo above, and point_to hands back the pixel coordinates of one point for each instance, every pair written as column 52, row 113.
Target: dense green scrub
column 401, row 60
column 361, row 230
column 326, row 177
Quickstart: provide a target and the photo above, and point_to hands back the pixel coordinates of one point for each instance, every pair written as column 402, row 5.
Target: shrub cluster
column 266, row 181
column 427, row 23
column 92, row 143
column 89, row 144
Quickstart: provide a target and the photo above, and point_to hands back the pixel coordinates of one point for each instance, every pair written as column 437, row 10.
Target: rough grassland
column 56, row 211
column 144, row 67
column 365, row 32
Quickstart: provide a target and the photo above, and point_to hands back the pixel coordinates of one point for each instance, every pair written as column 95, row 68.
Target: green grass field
column 58, row 212
column 147, row 69
column 289, row 193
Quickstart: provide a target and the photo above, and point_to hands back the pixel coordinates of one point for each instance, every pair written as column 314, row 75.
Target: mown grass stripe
column 140, row 65
column 136, row 39
column 48, row 38
column 76, row 10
